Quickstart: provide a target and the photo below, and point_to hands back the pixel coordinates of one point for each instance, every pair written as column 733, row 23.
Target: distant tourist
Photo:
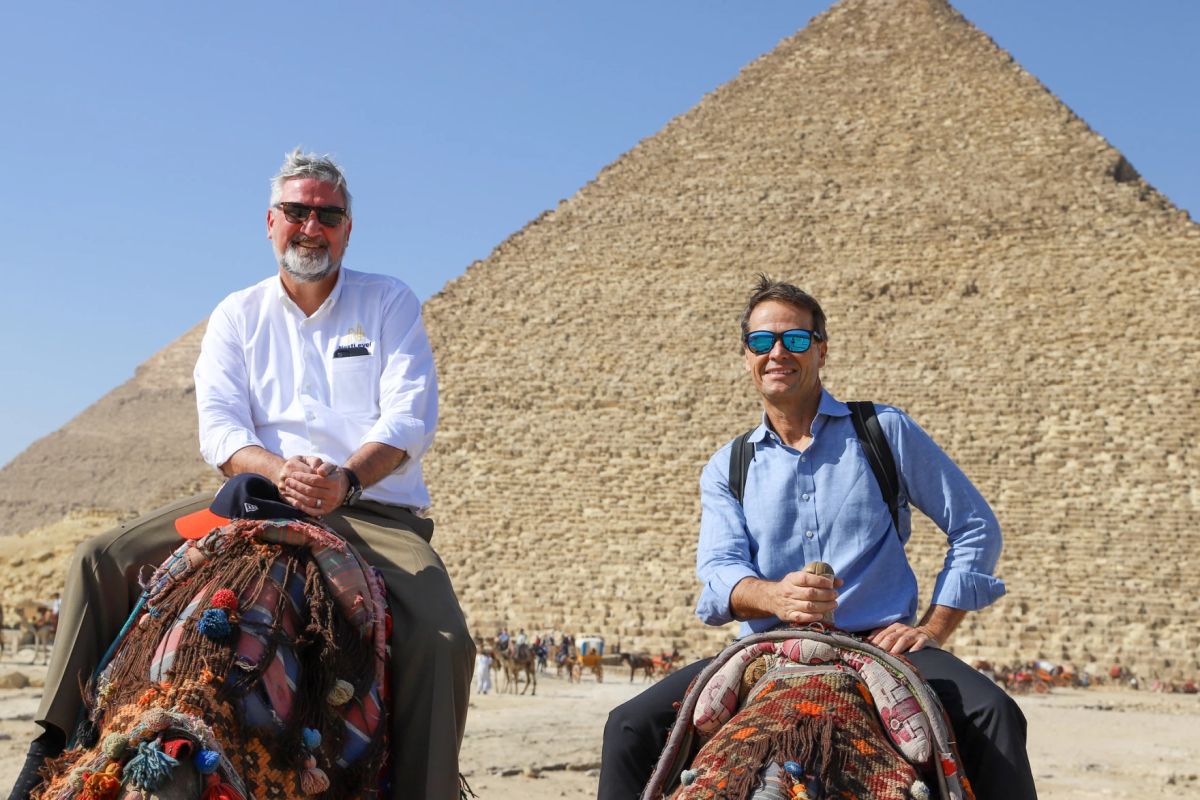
column 483, row 671
column 322, row 379
column 806, row 499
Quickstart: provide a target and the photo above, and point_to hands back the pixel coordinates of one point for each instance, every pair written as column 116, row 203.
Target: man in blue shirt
column 810, row 495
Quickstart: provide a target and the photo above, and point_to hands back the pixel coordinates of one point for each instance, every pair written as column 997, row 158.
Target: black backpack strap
column 879, row 455
column 740, row 456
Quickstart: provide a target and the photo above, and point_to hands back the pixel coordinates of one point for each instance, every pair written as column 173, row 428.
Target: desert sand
column 1084, row 743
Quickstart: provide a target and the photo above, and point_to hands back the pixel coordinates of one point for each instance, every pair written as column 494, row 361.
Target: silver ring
column 318, row 502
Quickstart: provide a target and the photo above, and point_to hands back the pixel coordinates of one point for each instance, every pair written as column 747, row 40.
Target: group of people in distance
column 504, row 643
column 321, row 378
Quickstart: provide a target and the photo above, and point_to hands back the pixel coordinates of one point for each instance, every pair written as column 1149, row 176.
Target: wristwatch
column 355, row 490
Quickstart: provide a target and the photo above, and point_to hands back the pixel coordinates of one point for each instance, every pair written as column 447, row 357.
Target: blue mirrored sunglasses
column 795, row 341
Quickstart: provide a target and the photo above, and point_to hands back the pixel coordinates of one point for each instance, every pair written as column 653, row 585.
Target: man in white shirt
column 321, row 379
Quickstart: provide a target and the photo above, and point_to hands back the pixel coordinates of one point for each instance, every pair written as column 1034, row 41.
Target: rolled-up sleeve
column 941, row 490
column 723, row 556
column 408, row 392
column 223, row 391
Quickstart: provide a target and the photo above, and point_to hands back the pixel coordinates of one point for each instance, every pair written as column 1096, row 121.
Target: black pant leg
column 636, row 732
column 988, row 725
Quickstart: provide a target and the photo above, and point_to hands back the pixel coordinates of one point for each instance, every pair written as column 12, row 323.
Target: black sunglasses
column 794, row 341
column 329, row 216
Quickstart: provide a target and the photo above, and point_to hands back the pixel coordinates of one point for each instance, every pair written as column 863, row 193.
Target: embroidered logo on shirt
column 353, row 343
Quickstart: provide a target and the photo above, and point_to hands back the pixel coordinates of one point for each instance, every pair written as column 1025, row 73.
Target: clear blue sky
column 138, row 137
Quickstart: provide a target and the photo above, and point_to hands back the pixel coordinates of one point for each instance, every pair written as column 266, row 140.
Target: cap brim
column 199, row 523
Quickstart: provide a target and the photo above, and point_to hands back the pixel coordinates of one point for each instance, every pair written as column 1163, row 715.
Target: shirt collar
column 332, row 299
column 828, row 406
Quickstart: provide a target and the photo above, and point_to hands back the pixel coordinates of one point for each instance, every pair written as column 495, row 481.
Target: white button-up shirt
column 358, row 370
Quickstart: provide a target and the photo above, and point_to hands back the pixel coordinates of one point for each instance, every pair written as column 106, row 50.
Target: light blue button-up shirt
column 824, row 504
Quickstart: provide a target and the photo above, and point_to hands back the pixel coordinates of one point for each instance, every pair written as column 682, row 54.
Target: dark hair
column 770, row 289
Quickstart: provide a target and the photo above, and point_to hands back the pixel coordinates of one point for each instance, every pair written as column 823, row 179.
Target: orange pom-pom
column 102, row 785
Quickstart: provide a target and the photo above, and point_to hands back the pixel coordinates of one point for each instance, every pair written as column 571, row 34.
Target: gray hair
column 309, row 165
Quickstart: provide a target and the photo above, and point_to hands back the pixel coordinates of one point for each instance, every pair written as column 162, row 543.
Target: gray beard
column 307, row 267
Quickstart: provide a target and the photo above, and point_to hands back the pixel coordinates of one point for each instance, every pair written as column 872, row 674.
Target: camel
column 515, row 661
column 36, row 622
column 638, row 661
column 567, row 660
column 801, row 711
column 254, row 666
column 798, row 712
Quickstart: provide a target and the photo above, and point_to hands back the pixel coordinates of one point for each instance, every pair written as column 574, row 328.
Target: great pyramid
column 988, row 263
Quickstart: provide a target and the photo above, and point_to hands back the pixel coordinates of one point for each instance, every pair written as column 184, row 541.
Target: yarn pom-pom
column 157, row 719
column 214, row 623
column 224, row 598
column 312, row 738
column 688, row 777
column 920, row 791
column 86, row 734
column 207, row 761
column 103, row 785
column 341, row 693
column 313, row 780
column 114, row 746
column 220, row 791
column 78, row 776
column 150, row 768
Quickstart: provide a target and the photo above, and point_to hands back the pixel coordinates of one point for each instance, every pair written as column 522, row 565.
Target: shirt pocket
column 354, row 385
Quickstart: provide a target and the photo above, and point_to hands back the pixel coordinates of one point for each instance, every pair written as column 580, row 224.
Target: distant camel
column 516, row 661
column 38, row 623
column 638, row 661
column 564, row 660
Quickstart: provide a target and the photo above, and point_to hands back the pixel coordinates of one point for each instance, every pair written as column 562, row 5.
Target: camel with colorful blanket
column 809, row 714
column 253, row 666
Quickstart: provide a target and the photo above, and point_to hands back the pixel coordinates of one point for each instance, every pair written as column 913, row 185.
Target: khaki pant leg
column 101, row 591
column 433, row 656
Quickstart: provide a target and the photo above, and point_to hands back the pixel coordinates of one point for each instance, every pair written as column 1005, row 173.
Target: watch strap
column 355, row 490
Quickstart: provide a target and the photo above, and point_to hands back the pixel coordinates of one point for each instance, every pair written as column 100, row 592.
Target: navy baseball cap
column 245, row 496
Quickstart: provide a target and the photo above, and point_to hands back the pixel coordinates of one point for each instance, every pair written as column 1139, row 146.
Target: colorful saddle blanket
column 254, row 667
column 811, row 714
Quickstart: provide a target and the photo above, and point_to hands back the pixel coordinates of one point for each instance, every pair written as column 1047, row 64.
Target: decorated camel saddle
column 252, row 668
column 795, row 714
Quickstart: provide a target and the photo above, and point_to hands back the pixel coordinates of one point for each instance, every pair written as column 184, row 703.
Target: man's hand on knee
column 899, row 638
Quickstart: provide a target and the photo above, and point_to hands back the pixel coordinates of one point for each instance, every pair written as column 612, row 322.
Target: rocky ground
column 1084, row 743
